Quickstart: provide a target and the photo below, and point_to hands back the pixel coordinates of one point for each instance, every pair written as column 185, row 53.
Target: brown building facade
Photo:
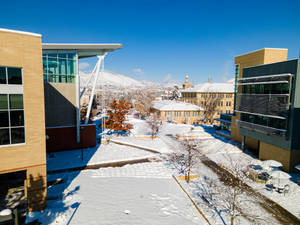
column 22, row 119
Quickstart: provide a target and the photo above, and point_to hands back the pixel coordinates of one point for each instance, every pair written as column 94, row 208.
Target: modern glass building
column 62, row 83
column 269, row 110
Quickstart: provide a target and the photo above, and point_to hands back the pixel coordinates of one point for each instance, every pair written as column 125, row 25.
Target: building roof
column 20, row 32
column 261, row 50
column 83, row 49
column 172, row 105
column 212, row 87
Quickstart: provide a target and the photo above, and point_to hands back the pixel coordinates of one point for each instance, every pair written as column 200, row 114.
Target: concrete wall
column 23, row 50
column 60, row 104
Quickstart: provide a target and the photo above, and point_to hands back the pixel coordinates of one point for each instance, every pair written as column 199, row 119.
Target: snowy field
column 143, row 193
column 138, row 194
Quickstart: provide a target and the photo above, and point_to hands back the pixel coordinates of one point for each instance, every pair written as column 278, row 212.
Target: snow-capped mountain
column 112, row 79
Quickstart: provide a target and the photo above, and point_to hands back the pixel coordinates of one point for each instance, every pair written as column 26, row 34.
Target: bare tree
column 154, row 122
column 187, row 157
column 210, row 102
column 232, row 196
column 142, row 101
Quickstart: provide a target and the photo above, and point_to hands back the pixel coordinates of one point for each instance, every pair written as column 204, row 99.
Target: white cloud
column 228, row 65
column 137, row 71
column 83, row 65
column 167, row 78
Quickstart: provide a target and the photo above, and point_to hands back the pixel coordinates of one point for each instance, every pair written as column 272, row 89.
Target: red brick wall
column 64, row 138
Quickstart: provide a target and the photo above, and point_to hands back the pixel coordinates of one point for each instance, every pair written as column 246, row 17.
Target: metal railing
column 260, row 128
column 264, row 104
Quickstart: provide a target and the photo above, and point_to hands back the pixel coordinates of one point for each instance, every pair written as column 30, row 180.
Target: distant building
column 186, row 84
column 215, row 97
column 179, row 112
column 224, row 128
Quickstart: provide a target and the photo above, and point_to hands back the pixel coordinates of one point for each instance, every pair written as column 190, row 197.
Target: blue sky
column 163, row 40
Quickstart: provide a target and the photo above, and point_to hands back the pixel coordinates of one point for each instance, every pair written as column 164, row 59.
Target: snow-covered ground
column 138, row 194
column 91, row 156
column 143, row 193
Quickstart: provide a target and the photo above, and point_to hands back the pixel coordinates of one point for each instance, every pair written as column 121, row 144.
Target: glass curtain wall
column 59, row 67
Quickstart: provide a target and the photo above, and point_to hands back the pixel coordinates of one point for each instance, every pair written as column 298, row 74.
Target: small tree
column 154, row 123
column 117, row 116
column 187, row 157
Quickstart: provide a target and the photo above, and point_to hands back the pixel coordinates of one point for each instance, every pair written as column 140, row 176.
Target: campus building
column 176, row 111
column 22, row 116
column 186, row 84
column 258, row 57
column 39, row 108
column 268, row 104
column 62, row 93
column 214, row 98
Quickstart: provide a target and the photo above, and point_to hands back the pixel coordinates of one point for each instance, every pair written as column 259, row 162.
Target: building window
column 187, row 114
column 196, row 114
column 14, row 76
column 12, row 129
column 59, row 67
column 264, row 121
column 177, row 114
column 167, row 113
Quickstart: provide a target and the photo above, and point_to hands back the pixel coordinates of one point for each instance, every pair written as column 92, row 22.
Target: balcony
column 273, row 105
column 261, row 128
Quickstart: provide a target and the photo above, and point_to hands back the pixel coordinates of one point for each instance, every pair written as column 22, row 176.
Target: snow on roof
column 20, row 32
column 170, row 105
column 212, row 87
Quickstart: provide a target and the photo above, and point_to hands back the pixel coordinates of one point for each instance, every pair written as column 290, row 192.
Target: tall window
column 12, row 130
column 59, row 67
column 236, row 75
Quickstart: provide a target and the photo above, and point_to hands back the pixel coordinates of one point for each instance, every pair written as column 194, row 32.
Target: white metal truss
column 98, row 69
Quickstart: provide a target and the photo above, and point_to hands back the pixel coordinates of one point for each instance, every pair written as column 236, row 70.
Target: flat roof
column 261, row 50
column 81, row 47
column 84, row 49
column 20, row 32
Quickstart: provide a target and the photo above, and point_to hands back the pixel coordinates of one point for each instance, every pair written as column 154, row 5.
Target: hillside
column 112, row 79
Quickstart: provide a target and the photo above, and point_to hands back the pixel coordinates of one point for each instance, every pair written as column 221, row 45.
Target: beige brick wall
column 22, row 50
column 267, row 151
column 180, row 119
column 199, row 100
